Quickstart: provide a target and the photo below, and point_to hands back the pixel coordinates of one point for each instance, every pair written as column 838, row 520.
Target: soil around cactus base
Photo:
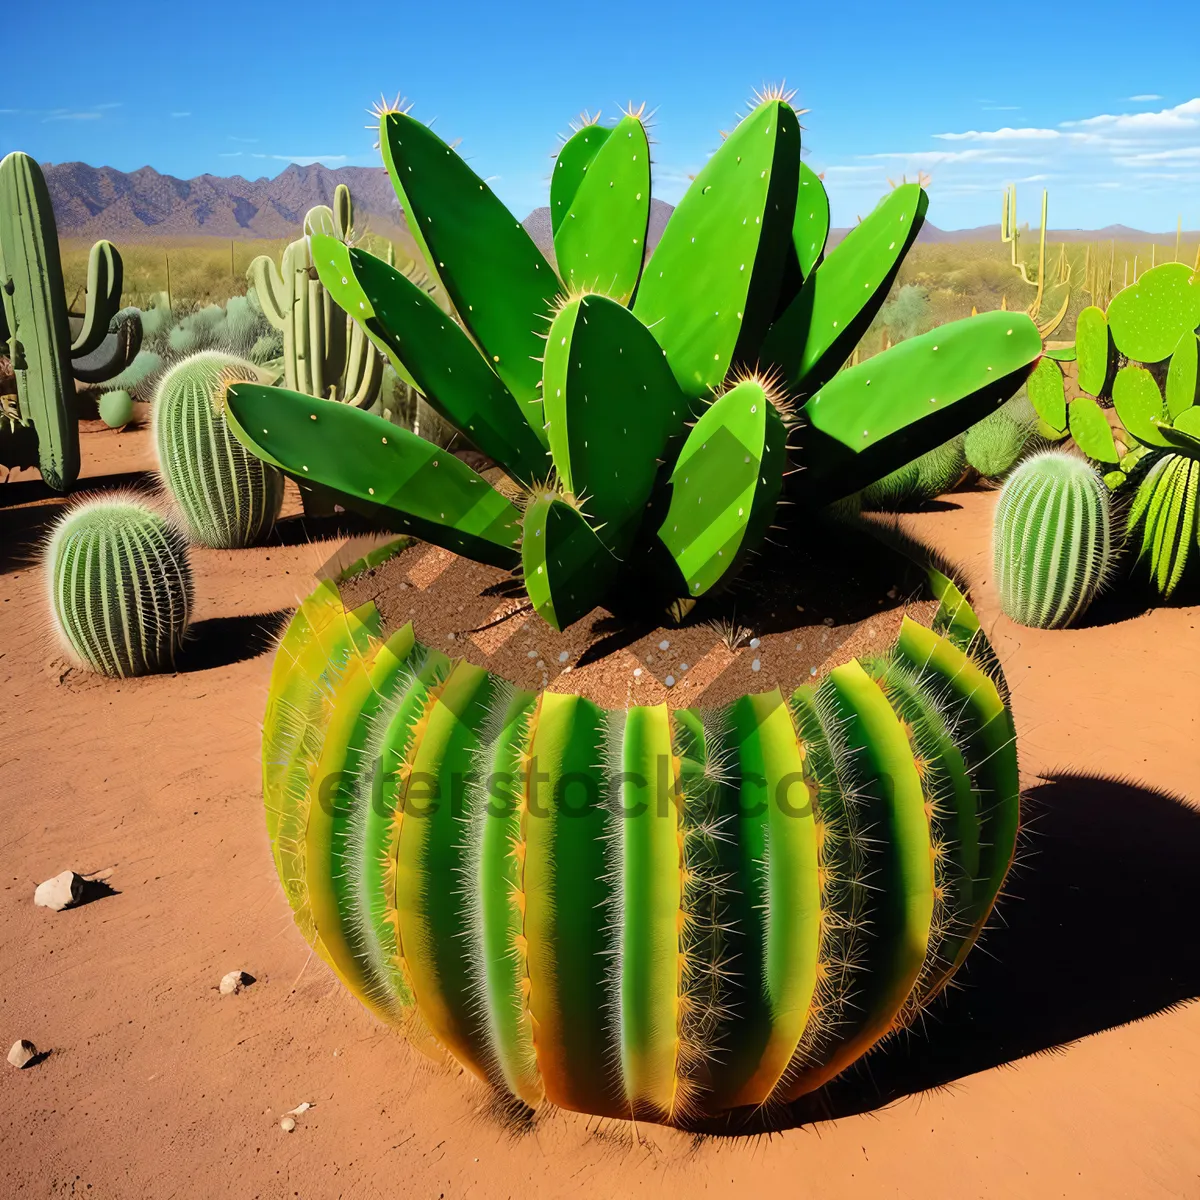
column 789, row 620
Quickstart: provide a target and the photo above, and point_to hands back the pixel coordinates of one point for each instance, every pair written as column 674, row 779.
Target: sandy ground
column 1037, row 1078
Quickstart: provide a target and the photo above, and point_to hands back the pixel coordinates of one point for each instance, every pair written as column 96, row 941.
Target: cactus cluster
column 1140, row 358
column 325, row 352
column 48, row 349
column 1052, row 540
column 227, row 497
column 649, row 913
column 651, row 413
column 120, row 585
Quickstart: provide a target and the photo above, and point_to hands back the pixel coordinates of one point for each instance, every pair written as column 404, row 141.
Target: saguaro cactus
column 1052, row 540
column 325, row 351
column 120, row 585
column 645, row 913
column 37, row 326
column 228, row 497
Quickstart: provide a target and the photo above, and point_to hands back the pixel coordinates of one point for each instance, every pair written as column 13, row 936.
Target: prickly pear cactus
column 1052, row 540
column 227, row 497
column 120, row 585
column 648, row 913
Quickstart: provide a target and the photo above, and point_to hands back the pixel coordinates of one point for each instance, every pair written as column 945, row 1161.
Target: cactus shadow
column 1096, row 930
column 223, row 641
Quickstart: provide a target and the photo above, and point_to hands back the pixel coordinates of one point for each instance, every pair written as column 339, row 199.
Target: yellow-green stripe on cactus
column 120, row 585
column 228, row 497
column 649, row 914
column 1166, row 510
column 1052, row 540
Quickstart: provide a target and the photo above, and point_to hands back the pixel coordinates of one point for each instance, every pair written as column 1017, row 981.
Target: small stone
column 287, row 1124
column 450, row 637
column 664, row 644
column 683, row 666
column 892, row 593
column 799, row 607
column 637, row 672
column 233, row 983
column 541, row 666
column 60, row 892
column 563, row 656
column 756, row 665
column 669, row 681
column 812, row 670
column 531, row 654
column 22, row 1053
column 827, row 621
column 755, row 643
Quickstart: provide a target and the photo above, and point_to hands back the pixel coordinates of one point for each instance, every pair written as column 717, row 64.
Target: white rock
column 22, row 1053
column 755, row 643
column 287, row 1124
column 233, row 983
column 60, row 892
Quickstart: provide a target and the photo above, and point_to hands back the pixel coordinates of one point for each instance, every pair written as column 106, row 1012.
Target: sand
column 1066, row 1065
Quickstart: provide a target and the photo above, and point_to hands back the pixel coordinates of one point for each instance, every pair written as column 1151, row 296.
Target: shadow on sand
column 222, row 641
column 1096, row 929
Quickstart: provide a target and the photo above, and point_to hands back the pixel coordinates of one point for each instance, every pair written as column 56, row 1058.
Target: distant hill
column 96, row 202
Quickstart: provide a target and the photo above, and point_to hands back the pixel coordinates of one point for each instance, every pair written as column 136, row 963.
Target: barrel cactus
column 652, row 913
column 1052, row 540
column 120, row 585
column 227, row 497
column 994, row 445
column 116, row 409
column 923, row 479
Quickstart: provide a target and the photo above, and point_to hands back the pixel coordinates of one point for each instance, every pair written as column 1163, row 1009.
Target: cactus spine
column 37, row 325
column 648, row 913
column 1052, row 540
column 228, row 497
column 326, row 353
column 120, row 585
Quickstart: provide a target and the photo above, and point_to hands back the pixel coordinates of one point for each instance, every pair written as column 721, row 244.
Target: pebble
column 755, row 643
column 233, row 983
column 669, row 681
column 531, row 654
column 664, row 645
column 22, row 1053
column 287, row 1124
column 827, row 621
column 637, row 671
column 683, row 666
column 563, row 656
column 541, row 666
column 812, row 670
column 60, row 892
column 756, row 665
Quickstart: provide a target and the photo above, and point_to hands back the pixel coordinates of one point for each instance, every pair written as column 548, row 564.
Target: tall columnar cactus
column 651, row 415
column 1052, row 540
column 228, row 497
column 325, row 352
column 120, row 585
column 654, row 914
column 1153, row 449
column 35, row 323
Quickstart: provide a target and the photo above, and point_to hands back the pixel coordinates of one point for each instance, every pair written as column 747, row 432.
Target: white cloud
column 1178, row 154
column 1143, row 99
column 937, row 157
column 1001, row 135
column 1182, row 117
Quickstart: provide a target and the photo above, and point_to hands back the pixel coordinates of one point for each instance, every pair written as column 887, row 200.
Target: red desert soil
column 156, row 1085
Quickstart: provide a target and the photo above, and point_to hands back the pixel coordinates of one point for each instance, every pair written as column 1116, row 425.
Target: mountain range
column 101, row 202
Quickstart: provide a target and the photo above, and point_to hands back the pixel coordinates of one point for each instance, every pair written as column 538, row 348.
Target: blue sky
column 1098, row 110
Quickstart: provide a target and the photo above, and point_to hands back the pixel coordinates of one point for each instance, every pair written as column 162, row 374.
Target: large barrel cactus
column 120, row 585
column 1052, row 540
column 646, row 913
column 228, row 497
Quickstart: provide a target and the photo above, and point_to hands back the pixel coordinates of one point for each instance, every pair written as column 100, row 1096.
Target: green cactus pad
column 501, row 286
column 1140, row 406
column 601, row 241
column 612, row 405
column 389, row 473
column 438, row 356
column 1182, row 376
column 1052, row 540
column 1149, row 317
column 810, row 230
column 725, row 486
column 820, row 328
column 1091, row 431
column 900, row 404
column 1094, row 350
column 120, row 586
column 710, row 288
column 570, row 168
column 567, row 568
column 1047, row 393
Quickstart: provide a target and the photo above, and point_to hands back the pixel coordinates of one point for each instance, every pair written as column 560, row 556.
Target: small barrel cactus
column 228, row 497
column 1052, row 540
column 116, row 409
column 120, row 585
column 994, row 445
